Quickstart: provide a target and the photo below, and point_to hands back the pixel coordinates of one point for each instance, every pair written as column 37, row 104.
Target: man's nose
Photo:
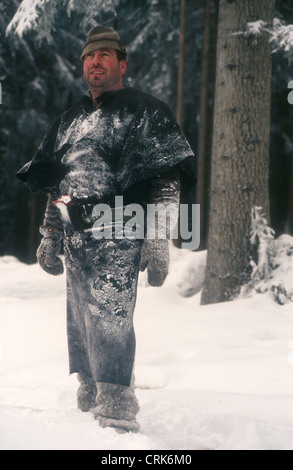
column 96, row 59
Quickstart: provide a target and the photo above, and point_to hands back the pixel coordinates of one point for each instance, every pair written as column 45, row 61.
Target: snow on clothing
column 94, row 155
column 102, row 284
column 131, row 138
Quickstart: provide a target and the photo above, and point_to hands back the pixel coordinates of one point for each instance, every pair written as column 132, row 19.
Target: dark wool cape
column 93, row 155
column 131, row 138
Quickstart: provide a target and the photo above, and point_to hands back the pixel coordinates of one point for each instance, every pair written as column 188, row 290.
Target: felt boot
column 86, row 393
column 117, row 407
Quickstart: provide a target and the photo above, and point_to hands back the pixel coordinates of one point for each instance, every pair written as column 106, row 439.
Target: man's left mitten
column 165, row 191
column 49, row 249
column 155, row 257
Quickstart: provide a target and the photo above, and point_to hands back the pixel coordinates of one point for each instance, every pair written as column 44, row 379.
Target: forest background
column 175, row 60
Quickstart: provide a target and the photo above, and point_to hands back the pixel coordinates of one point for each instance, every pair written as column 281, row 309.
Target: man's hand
column 155, row 251
column 155, row 257
column 48, row 251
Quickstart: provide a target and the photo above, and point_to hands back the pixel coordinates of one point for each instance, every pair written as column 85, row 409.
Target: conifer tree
column 240, row 155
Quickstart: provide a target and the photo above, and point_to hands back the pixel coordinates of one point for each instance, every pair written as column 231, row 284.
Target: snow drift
column 208, row 377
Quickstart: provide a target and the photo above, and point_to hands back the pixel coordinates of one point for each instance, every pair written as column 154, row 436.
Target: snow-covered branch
column 35, row 15
column 91, row 9
column 272, row 269
column 281, row 34
column 39, row 15
column 262, row 237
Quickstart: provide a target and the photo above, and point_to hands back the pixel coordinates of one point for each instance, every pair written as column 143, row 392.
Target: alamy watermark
column 155, row 221
column 134, row 221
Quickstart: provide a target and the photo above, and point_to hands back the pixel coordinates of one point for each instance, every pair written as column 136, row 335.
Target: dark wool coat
column 93, row 155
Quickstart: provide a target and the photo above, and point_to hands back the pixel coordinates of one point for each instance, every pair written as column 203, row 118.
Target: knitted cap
column 100, row 37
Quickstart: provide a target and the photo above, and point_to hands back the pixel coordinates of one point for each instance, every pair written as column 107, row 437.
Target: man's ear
column 123, row 66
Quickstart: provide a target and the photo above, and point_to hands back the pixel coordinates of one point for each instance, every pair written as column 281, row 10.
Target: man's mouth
column 97, row 72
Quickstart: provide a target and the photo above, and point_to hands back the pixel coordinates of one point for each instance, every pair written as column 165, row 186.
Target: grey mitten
column 49, row 249
column 155, row 250
column 155, row 257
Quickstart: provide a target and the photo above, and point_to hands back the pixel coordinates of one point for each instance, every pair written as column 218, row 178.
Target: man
column 116, row 142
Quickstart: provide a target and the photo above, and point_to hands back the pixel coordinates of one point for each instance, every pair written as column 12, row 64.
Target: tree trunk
column 180, row 85
column 206, row 116
column 290, row 204
column 240, row 156
column 180, row 81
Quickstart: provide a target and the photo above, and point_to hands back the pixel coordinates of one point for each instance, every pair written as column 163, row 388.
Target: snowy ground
column 208, row 377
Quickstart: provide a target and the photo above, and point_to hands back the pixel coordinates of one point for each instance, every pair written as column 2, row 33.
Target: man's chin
column 96, row 82
column 96, row 87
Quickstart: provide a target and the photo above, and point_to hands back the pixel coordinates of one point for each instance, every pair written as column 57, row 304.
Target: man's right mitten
column 49, row 249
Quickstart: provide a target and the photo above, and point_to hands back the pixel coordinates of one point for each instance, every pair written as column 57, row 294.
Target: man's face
column 102, row 71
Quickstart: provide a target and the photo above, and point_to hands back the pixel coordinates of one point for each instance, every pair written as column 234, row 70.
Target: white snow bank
column 208, row 377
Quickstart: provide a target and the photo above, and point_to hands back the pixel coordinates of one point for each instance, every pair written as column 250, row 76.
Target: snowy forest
column 222, row 375
column 172, row 54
